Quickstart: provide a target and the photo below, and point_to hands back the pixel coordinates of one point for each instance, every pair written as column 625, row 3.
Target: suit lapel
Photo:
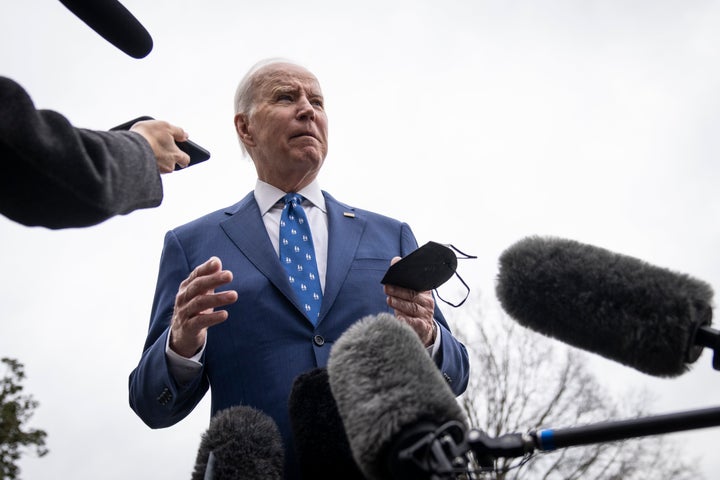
column 247, row 231
column 345, row 228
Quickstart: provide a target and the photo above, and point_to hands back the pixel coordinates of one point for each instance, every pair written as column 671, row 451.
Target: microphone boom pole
column 624, row 429
column 519, row 445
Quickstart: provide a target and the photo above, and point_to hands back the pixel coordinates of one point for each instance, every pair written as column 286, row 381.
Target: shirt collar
column 267, row 195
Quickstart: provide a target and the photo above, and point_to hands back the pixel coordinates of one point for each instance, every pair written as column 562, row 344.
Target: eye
column 284, row 97
column 317, row 102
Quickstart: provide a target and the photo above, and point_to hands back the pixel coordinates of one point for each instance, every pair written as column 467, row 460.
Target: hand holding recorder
column 170, row 144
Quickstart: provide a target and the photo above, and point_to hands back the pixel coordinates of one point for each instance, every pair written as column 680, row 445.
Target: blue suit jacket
column 254, row 356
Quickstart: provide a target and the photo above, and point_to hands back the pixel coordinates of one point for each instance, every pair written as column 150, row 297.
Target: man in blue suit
column 225, row 315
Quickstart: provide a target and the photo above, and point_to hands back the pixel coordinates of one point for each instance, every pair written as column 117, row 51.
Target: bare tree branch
column 524, row 381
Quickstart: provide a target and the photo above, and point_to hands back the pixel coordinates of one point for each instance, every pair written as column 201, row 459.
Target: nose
column 305, row 110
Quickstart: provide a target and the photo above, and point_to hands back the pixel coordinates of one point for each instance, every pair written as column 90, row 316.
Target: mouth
column 303, row 134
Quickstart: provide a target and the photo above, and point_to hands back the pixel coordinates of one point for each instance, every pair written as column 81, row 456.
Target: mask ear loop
column 465, row 256
column 467, row 293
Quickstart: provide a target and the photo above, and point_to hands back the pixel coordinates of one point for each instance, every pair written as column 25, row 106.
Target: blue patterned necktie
column 297, row 255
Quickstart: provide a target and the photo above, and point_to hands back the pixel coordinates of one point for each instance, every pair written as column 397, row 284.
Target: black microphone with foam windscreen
column 321, row 445
column 401, row 418
column 622, row 308
column 241, row 443
column 112, row 21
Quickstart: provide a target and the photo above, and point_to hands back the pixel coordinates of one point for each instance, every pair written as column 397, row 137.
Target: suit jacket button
column 164, row 397
column 319, row 340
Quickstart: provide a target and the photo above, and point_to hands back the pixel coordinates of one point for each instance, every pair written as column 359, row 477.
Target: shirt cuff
column 183, row 370
column 435, row 347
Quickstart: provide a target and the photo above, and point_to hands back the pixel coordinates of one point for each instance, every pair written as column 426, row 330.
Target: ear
column 242, row 127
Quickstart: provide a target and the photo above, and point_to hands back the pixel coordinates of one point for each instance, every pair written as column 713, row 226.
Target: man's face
column 287, row 129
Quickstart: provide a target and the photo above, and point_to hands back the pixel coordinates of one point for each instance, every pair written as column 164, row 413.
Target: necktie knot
column 293, row 199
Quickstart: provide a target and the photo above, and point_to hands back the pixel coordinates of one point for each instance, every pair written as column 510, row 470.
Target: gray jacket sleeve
column 58, row 176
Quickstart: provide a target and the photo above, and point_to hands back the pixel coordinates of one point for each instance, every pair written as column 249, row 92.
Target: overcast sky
column 590, row 120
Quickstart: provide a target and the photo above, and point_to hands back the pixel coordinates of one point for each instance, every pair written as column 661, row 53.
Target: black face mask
column 427, row 268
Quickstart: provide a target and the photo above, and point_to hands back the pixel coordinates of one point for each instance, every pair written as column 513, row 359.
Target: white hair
column 244, row 101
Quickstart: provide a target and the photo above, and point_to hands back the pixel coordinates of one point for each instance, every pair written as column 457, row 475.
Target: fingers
column 180, row 159
column 195, row 305
column 178, row 134
column 417, row 309
column 409, row 302
column 162, row 136
column 197, row 292
column 208, row 275
column 198, row 313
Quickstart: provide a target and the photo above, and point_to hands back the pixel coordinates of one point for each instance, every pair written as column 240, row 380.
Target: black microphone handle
column 518, row 445
column 624, row 429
